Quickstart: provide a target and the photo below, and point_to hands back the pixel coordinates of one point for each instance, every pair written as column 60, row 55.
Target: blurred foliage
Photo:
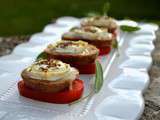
column 29, row 16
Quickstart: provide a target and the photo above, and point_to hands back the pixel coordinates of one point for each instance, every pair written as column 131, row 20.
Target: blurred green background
column 28, row 16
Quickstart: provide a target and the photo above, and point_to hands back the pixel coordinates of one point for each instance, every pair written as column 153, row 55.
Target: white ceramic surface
column 120, row 106
column 149, row 47
column 130, row 80
column 29, row 50
column 13, row 63
column 127, row 22
column 69, row 21
column 8, row 79
column 43, row 38
column 57, row 29
column 147, row 37
column 148, row 26
column 140, row 49
column 140, row 41
column 141, row 63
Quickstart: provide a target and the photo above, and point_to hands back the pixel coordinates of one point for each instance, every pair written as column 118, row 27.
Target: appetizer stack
column 51, row 81
column 105, row 22
column 55, row 78
column 98, row 37
column 78, row 54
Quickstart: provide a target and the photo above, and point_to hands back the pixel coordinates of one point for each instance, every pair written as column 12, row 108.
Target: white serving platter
column 44, row 38
column 14, row 63
column 121, row 97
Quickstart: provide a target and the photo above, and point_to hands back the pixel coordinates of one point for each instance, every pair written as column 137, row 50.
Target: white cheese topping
column 101, row 21
column 51, row 70
column 74, row 49
column 69, row 47
column 90, row 32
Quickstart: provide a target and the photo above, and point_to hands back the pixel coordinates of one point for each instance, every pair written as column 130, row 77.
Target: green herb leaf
column 115, row 44
column 98, row 78
column 127, row 28
column 42, row 55
column 106, row 8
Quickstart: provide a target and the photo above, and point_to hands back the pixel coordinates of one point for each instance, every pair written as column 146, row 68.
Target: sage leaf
column 98, row 77
column 127, row 28
column 115, row 44
column 42, row 55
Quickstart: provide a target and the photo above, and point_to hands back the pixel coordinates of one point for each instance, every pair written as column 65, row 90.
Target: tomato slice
column 104, row 51
column 63, row 97
column 85, row 68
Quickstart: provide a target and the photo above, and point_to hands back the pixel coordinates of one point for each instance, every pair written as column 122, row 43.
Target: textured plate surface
column 43, row 38
column 137, row 80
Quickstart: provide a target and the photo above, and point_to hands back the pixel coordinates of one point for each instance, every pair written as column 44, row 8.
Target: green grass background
column 28, row 16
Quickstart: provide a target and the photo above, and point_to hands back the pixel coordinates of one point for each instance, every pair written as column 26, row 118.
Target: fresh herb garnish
column 98, row 78
column 98, row 83
column 127, row 28
column 115, row 45
column 42, row 55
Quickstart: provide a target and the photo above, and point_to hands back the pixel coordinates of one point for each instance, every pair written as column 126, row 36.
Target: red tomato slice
column 63, row 97
column 104, row 51
column 85, row 68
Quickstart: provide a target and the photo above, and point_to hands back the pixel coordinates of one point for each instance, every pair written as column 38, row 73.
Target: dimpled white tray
column 121, row 97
